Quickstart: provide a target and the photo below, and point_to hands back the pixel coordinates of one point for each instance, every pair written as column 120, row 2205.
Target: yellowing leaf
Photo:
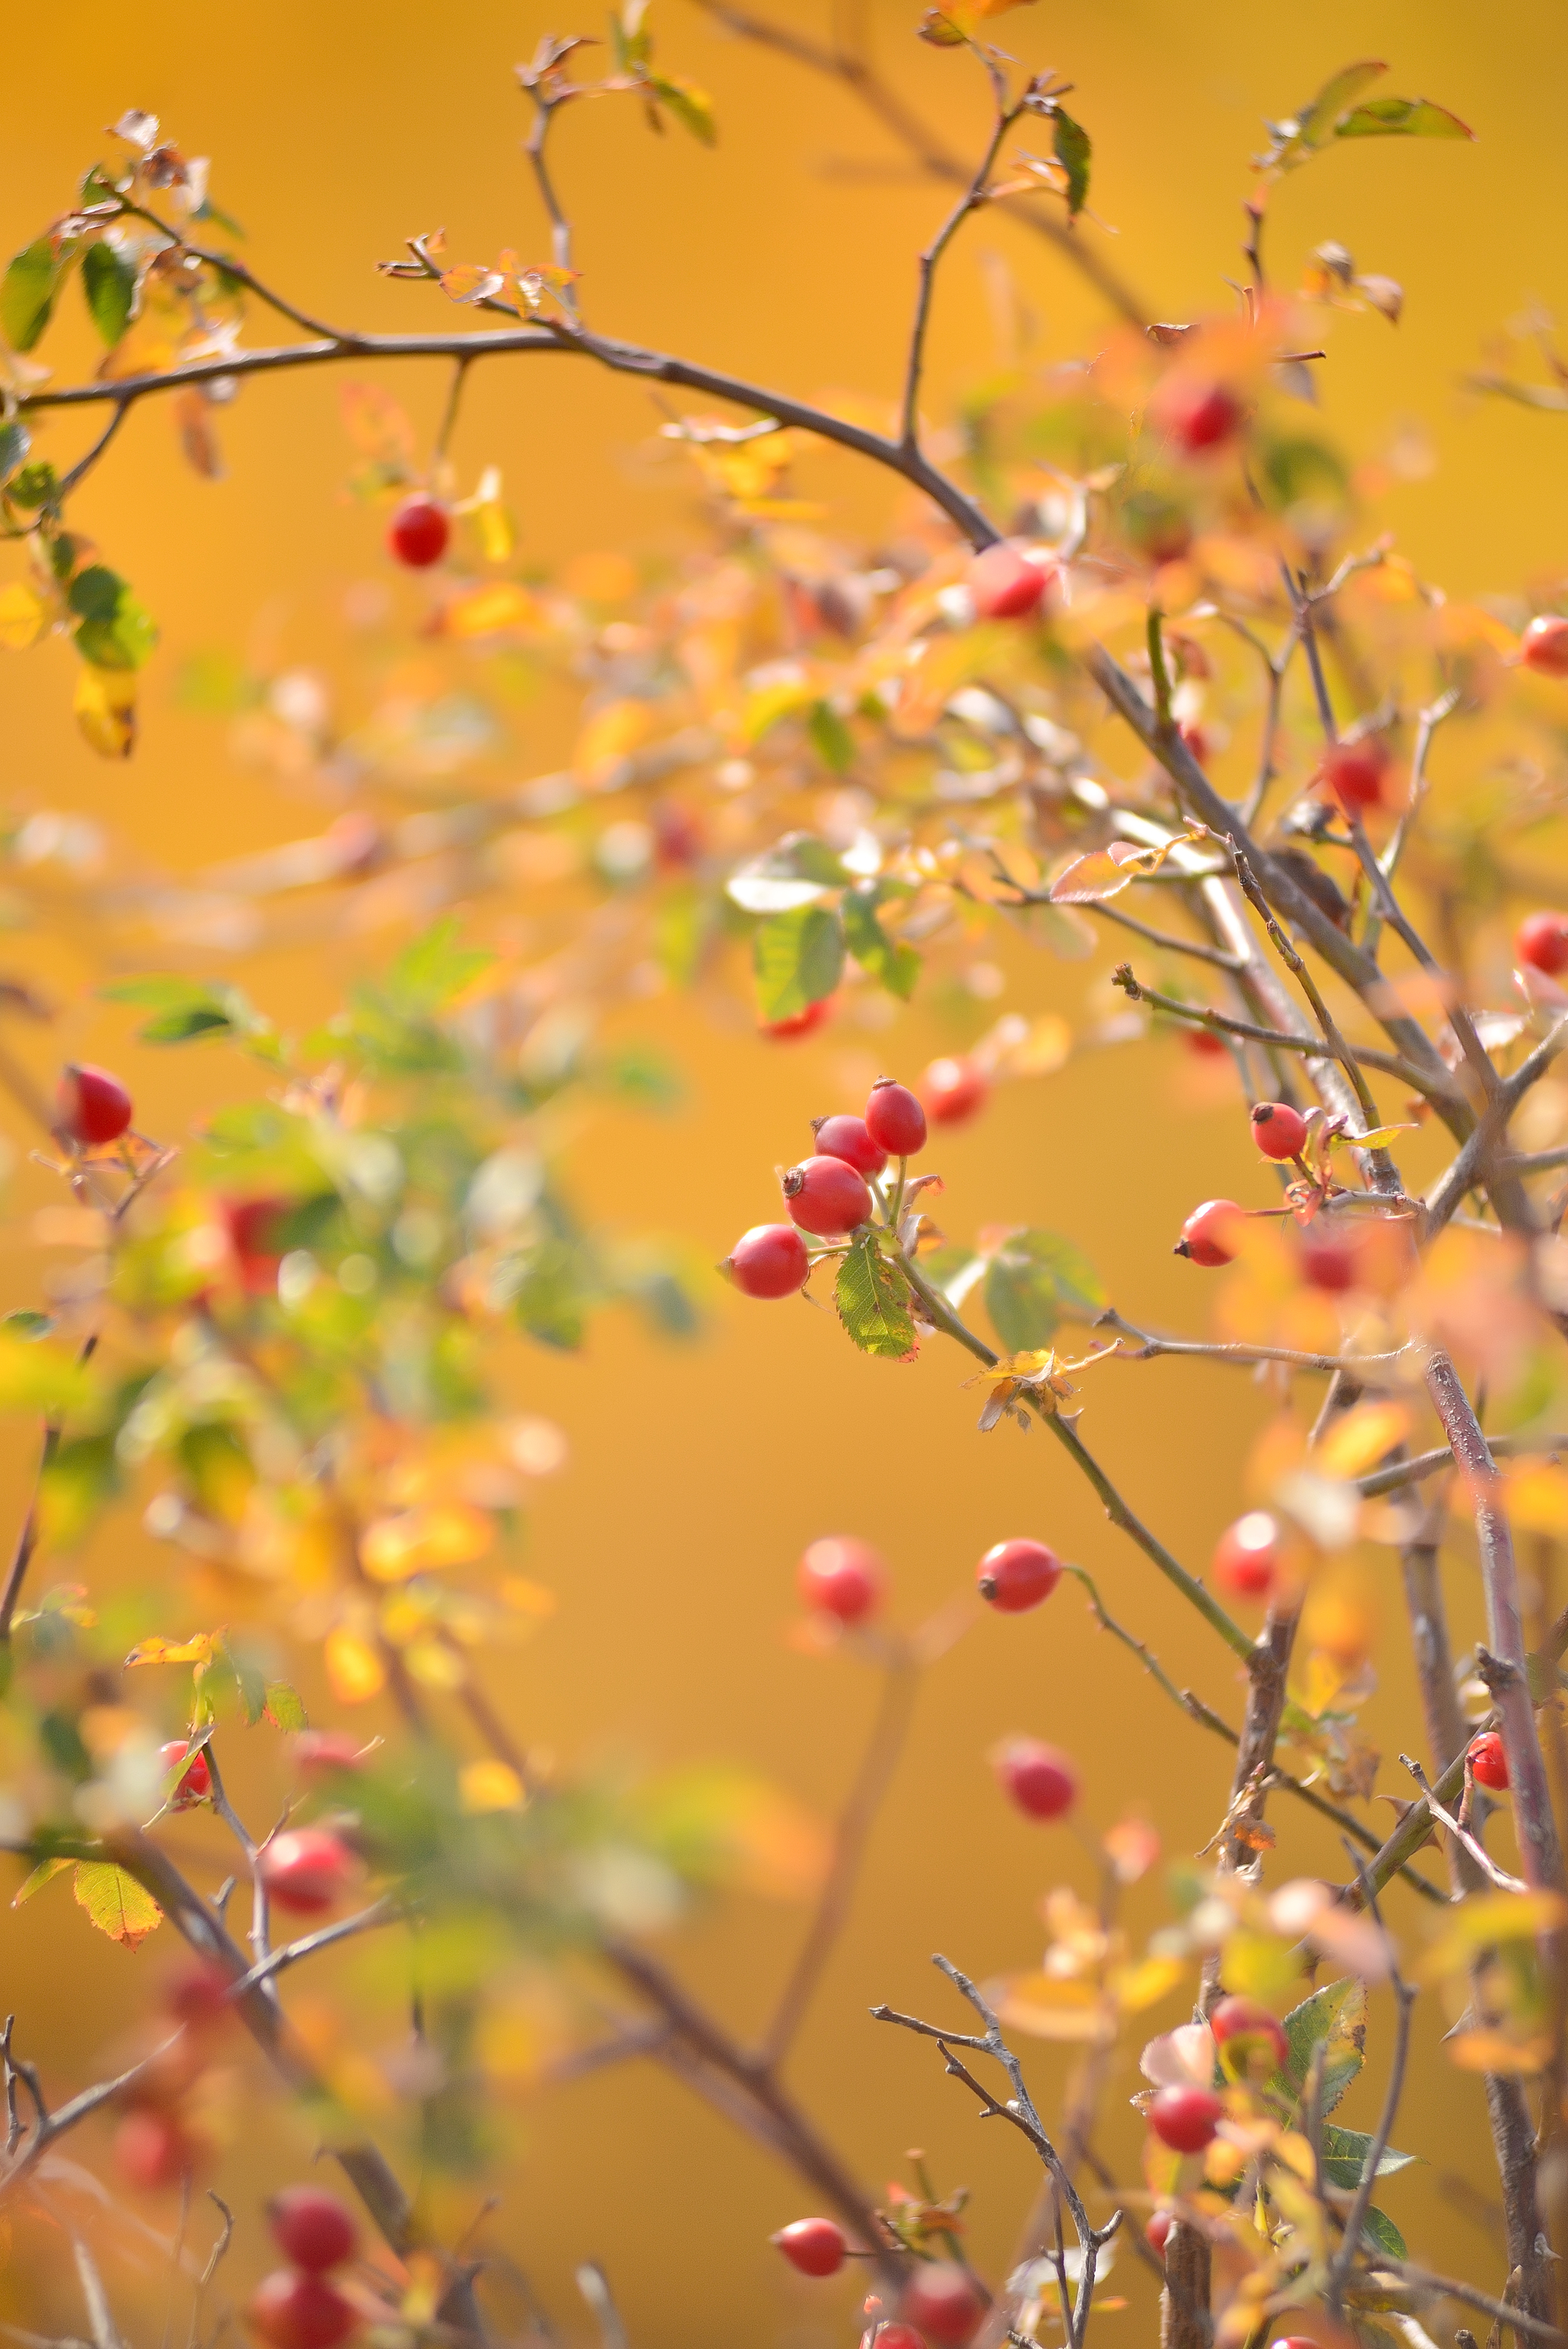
column 355, row 1668
column 1377, row 1138
column 489, row 611
column 45, row 1873
column 1146, row 1983
column 105, row 704
column 419, row 1541
column 23, row 616
column 38, row 1375
column 488, row 1786
column 1046, row 2006
column 159, row 1650
column 1105, row 872
column 471, row 281
column 1492, row 1918
column 115, row 1902
column 1494, row 2051
column 1260, row 1965
column 1358, row 1440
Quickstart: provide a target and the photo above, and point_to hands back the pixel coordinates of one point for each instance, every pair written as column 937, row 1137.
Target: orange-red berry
column 953, row 1089
column 1246, row 1555
column 1249, row 2038
column 1355, row 772
column 896, row 1120
column 847, row 1138
column 151, row 2150
column 798, row 1023
column 1186, row 2119
column 827, row 1197
column 841, row 1576
column 769, row 1260
column 1157, row 2233
column 1210, row 1235
column 1014, row 1575
column 92, row 1106
column 1008, row 581
column 943, row 2303
column 1544, row 646
column 306, row 1869
column 195, row 1784
column 1541, row 941
column 418, row 533
column 1488, row 1759
column 311, row 2228
column 292, row 2309
column 1197, row 415
column 1040, row 1780
column 1279, row 1130
column 815, row 2246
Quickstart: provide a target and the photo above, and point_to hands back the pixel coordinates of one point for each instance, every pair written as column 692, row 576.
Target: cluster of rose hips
column 1210, row 1235
column 845, row 1579
column 942, row 2304
column 829, row 1195
column 300, row 2306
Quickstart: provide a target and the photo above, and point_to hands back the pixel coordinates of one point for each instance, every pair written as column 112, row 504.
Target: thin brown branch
column 971, row 199
column 1389, row 1064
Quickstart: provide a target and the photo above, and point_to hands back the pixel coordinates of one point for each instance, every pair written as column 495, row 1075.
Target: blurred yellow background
column 696, row 1477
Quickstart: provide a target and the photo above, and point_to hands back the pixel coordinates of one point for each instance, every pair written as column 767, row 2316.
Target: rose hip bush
column 1140, row 676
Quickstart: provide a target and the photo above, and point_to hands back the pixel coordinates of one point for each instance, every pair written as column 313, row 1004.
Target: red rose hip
column 815, row 2246
column 841, row 1576
column 1197, row 416
column 306, row 1869
column 418, row 533
column 151, row 2151
column 1157, row 2234
column 1039, row 1780
column 943, row 2303
column 769, row 1260
column 1355, row 772
column 896, row 1120
column 954, row 1089
column 1014, row 1575
column 92, row 1106
column 311, row 2228
column 1186, row 2119
column 1211, row 1232
column 847, row 1138
column 1544, row 646
column 1488, row 1759
column 1246, row 1555
column 797, row 1024
column 292, row 2309
column 1541, row 941
column 1250, row 2039
column 826, row 1197
column 195, row 1784
column 1279, row 1130
column 1008, row 582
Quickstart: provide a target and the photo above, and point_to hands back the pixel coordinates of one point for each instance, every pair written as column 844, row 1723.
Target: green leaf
column 116, row 631
column 186, row 1008
column 81, row 1479
column 45, row 1873
column 830, row 737
column 872, row 1300
column 1315, row 122
column 797, row 958
column 249, row 1681
column 116, row 1903
column 428, row 974
column 1401, row 118
column 550, row 1288
column 1345, row 2156
column 1382, row 2233
column 1033, row 1281
column 34, row 486
column 38, row 1375
column 108, row 282
column 1073, row 148
column 15, row 443
column 895, row 965
column 27, row 291
column 692, row 107
column 26, row 1322
column 684, row 928
column 794, row 871
column 1336, row 2015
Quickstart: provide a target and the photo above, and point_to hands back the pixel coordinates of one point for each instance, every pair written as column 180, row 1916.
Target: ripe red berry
column 1355, row 772
column 895, row 1119
column 151, row 2151
column 92, row 1106
column 798, row 1023
column 294, row 2310
column 1279, row 1130
column 891, row 2336
column 1488, row 1760
column 1014, row 1575
column 1185, row 2118
column 195, row 1784
column 339, row 1749
column 1205, row 1043
column 1008, row 581
column 311, row 2228
column 1328, row 1264
column 1249, row 2038
column 418, row 533
column 199, row 1997
column 1196, row 740
column 1247, row 1554
column 1157, row 2234
column 1198, row 416
column 826, row 1197
column 943, row 2303
column 305, row 1868
column 1210, row 1233
column 954, row 1089
column 1041, row 1781
column 1544, row 646
column 1541, row 941
column 815, row 2246
column 769, row 1260
column 846, row 1138
column 841, row 1576
column 252, row 1229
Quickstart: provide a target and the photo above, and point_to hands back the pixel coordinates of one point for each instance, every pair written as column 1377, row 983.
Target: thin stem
column 233, row 266
column 560, row 225
column 84, row 465
column 974, row 196
column 1308, row 985
column 27, row 1539
column 454, row 401
column 1206, row 1350
column 1164, row 939
column 1221, row 1023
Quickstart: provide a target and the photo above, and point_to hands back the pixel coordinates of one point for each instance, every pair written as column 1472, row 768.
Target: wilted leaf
column 1362, row 1436
column 958, row 20
column 797, row 958
column 1335, row 2015
column 872, row 1300
column 108, row 282
column 1073, row 149
column 471, row 281
column 116, row 1903
column 105, row 705
column 1033, row 1280
column 199, row 443
column 1487, row 1920
column 888, row 960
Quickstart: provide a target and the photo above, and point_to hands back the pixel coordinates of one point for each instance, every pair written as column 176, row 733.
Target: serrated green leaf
column 108, row 282
column 116, row 1903
column 1345, row 2157
column 1401, row 118
column 1033, row 1281
column 692, row 107
column 896, row 966
column 1383, row 2234
column 830, row 737
column 16, row 441
column 435, row 968
column 186, row 1008
column 872, row 1302
column 1337, row 2014
column 797, row 958
column 1073, row 148
column 27, row 291
column 45, row 1873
